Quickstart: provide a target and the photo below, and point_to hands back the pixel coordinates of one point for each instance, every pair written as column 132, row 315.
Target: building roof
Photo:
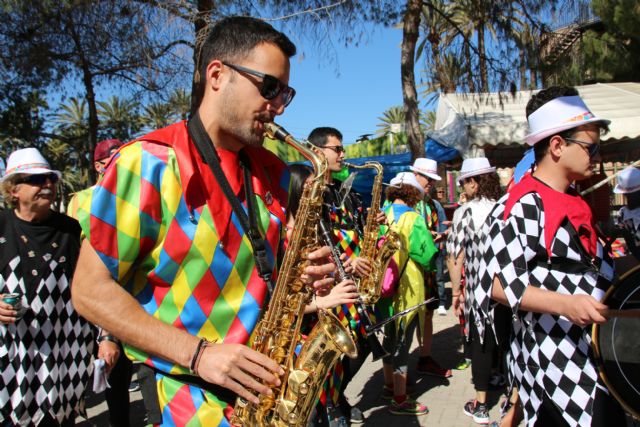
column 472, row 122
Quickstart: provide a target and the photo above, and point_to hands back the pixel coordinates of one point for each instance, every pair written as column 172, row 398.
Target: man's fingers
column 319, row 270
column 262, row 360
column 258, row 371
column 320, row 253
column 242, row 392
column 249, row 382
column 323, row 283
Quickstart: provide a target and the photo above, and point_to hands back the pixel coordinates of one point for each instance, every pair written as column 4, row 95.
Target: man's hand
column 583, row 310
column 359, row 266
column 7, row 313
column 344, row 292
column 109, row 352
column 319, row 273
column 239, row 369
column 381, row 218
column 458, row 305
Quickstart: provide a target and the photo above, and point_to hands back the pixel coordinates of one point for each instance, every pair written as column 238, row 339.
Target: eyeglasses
column 270, row 87
column 39, row 179
column 593, row 148
column 335, row 148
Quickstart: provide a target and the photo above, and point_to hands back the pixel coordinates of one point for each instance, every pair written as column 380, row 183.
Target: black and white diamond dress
column 45, row 357
column 551, row 358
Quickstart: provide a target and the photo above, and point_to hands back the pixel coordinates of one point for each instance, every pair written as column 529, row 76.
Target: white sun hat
column 27, row 161
column 628, row 181
column 558, row 115
column 406, row 178
column 426, row 167
column 474, row 167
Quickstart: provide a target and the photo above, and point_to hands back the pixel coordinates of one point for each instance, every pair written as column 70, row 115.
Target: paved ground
column 443, row 397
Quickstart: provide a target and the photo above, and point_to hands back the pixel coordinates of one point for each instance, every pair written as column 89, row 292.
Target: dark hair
column 319, row 136
column 488, row 186
column 299, row 174
column 405, row 192
column 541, row 147
column 232, row 38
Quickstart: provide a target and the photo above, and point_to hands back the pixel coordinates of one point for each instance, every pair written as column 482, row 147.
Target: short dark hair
column 232, row 38
column 405, row 192
column 319, row 136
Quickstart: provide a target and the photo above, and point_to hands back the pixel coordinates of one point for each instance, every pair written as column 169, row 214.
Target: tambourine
column 616, row 343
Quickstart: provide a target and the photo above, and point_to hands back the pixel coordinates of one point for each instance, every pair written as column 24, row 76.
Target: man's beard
column 233, row 126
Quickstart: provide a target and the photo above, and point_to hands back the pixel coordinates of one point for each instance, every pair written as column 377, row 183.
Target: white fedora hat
column 27, row 161
column 557, row 115
column 406, row 178
column 426, row 167
column 628, row 181
column 474, row 167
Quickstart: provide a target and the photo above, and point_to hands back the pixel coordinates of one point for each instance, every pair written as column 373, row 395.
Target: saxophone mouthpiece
column 275, row 131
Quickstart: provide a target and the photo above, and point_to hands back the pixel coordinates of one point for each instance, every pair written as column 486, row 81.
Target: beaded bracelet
column 195, row 360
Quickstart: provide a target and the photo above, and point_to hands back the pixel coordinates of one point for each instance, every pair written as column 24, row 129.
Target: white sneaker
column 442, row 311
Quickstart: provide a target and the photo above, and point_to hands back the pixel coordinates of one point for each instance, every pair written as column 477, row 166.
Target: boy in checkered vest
column 542, row 258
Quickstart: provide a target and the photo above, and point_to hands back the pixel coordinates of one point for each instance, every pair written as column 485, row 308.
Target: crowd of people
column 173, row 255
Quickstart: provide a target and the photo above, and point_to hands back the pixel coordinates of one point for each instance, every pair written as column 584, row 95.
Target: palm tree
column 180, row 102
column 393, row 115
column 119, row 118
column 157, row 115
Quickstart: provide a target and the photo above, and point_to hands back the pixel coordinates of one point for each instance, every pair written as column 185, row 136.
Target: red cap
column 103, row 149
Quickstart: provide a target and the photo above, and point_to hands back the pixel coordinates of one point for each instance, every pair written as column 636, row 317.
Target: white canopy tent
column 495, row 123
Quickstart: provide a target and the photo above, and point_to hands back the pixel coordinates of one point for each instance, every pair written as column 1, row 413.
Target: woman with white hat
column 629, row 216
column 543, row 260
column 482, row 188
column 404, row 192
column 45, row 346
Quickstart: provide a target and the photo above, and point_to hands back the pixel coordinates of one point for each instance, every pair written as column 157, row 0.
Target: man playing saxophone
column 347, row 218
column 165, row 266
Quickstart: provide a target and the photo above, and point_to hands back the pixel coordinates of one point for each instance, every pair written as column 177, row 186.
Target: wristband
column 107, row 338
column 195, row 360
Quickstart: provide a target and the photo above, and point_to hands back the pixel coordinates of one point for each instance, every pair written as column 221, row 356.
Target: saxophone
column 370, row 287
column 278, row 333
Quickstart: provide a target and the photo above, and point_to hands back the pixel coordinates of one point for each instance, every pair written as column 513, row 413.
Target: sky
column 349, row 92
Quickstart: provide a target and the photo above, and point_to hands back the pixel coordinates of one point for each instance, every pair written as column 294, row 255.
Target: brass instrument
column 278, row 332
column 370, row 287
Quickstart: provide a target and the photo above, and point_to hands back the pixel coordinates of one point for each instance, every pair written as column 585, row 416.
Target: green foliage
column 615, row 54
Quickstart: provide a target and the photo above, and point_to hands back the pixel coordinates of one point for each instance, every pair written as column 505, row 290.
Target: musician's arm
column 579, row 309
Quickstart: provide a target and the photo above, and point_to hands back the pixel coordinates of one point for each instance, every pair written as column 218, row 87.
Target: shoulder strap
column 248, row 222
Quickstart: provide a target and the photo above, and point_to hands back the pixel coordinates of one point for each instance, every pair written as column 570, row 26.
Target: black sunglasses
column 270, row 86
column 39, row 179
column 335, row 148
column 593, row 148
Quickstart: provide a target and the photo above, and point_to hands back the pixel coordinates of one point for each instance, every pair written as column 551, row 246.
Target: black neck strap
column 248, row 222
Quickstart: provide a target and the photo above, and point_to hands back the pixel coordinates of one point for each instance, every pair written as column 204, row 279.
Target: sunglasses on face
column 39, row 179
column 335, row 148
column 270, row 87
column 593, row 148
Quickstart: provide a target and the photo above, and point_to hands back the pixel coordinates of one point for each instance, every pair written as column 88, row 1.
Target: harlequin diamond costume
column 162, row 226
column 541, row 237
column 45, row 356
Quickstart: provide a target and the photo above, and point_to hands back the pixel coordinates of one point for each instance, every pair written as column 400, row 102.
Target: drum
column 617, row 343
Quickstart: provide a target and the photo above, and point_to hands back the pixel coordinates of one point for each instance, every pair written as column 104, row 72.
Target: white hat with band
column 426, row 167
column 558, row 115
column 27, row 161
column 474, row 167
